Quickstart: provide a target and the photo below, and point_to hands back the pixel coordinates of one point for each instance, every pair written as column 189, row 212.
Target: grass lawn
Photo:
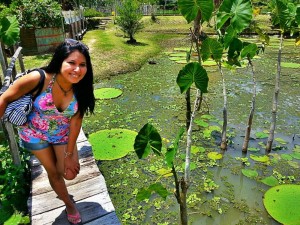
column 110, row 53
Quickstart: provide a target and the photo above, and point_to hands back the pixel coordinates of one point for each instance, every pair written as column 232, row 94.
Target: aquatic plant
column 282, row 203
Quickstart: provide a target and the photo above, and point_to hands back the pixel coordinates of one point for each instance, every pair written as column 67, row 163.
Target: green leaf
column 171, row 152
column 249, row 173
column 193, row 166
column 286, row 157
column 249, row 50
column 159, row 189
column 14, row 219
column 295, row 155
column 143, row 194
column 282, row 203
column 112, row 144
column 238, row 11
column 290, row 65
column 196, row 149
column 10, row 30
column 107, row 93
column 211, row 48
column 270, row 181
column 262, row 159
column 189, row 9
column 201, row 123
column 192, row 72
column 230, row 34
column 234, row 51
column 297, row 16
column 222, row 19
column 208, row 130
column 214, row 155
column 164, row 172
column 261, row 135
column 281, row 15
column 148, row 138
column 251, row 149
column 281, row 141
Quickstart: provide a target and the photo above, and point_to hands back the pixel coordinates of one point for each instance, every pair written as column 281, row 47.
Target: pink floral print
column 45, row 122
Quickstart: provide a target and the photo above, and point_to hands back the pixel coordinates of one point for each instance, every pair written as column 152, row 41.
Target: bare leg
column 48, row 159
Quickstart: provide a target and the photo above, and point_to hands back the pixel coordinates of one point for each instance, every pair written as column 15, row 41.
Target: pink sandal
column 74, row 219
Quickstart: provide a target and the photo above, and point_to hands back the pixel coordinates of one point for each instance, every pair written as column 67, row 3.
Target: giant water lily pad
column 283, row 203
column 290, row 65
column 112, row 144
column 107, row 93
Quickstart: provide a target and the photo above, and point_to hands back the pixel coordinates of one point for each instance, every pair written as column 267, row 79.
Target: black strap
column 40, row 85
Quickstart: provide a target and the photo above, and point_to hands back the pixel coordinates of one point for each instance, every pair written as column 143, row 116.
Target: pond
column 219, row 193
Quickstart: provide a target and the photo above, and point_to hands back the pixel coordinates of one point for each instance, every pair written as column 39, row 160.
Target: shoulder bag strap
column 40, row 85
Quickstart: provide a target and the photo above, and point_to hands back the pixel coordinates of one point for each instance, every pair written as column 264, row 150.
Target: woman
column 55, row 121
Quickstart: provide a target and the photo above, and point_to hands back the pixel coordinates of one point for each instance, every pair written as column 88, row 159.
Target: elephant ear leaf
column 147, row 139
column 192, row 72
column 239, row 12
column 189, row 9
column 211, row 48
column 9, row 30
column 249, row 50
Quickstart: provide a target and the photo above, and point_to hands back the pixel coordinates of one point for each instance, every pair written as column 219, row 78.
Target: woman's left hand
column 72, row 167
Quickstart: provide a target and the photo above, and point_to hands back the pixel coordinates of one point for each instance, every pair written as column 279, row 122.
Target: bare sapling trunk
column 223, row 145
column 251, row 114
column 275, row 99
column 185, row 183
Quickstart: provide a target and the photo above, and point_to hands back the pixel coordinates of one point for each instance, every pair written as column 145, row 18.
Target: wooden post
column 8, row 128
column 2, row 61
column 12, row 143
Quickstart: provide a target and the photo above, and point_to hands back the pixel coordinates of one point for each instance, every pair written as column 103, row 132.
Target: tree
column 128, row 19
column 286, row 16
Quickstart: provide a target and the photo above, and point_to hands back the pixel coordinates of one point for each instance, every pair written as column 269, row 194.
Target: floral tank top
column 45, row 122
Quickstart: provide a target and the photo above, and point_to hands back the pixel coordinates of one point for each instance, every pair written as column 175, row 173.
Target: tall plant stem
column 251, row 114
column 224, row 127
column 185, row 183
column 275, row 99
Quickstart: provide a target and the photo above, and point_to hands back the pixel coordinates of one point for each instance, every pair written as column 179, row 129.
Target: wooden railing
column 76, row 25
column 9, row 72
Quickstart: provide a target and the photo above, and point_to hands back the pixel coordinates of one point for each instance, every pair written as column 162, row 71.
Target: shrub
column 92, row 23
column 92, row 13
column 38, row 13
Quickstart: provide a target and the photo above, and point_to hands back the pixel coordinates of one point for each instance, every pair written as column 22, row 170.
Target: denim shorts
column 37, row 146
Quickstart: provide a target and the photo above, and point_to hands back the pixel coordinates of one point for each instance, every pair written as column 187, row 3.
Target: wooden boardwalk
column 88, row 190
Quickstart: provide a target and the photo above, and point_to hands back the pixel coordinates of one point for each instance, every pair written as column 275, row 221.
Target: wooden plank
column 40, row 183
column 46, row 201
column 90, row 209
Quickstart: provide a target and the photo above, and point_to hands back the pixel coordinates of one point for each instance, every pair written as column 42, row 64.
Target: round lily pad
column 112, row 144
column 214, row 155
column 107, row 93
column 290, row 65
column 282, row 202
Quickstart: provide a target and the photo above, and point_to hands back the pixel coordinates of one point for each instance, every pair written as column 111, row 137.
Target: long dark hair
column 84, row 89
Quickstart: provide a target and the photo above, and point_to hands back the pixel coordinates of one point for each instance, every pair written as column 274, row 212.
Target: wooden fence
column 9, row 72
column 75, row 24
